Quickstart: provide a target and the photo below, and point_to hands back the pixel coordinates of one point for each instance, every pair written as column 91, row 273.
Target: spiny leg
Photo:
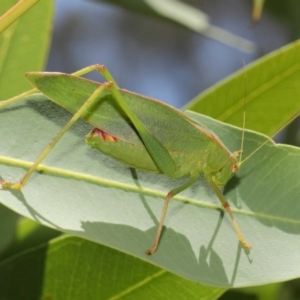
column 171, row 194
column 227, row 207
column 76, row 116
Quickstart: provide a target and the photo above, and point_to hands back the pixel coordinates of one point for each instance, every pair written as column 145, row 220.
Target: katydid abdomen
column 137, row 156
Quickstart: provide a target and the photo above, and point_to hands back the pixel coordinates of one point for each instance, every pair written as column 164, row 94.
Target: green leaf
column 28, row 234
column 72, row 268
column 269, row 87
column 24, row 46
column 269, row 291
column 80, row 191
column 7, row 227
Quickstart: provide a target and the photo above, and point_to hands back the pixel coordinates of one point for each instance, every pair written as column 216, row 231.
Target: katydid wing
column 192, row 147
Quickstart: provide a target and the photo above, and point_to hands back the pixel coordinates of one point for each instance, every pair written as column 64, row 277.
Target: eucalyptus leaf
column 74, row 268
column 268, row 90
column 82, row 192
column 7, row 227
column 24, row 46
column 28, row 234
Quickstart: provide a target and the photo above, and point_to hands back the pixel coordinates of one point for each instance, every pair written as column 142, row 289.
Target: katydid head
column 227, row 171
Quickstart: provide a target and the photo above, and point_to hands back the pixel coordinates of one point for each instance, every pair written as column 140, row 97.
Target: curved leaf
column 28, row 234
column 7, row 227
column 24, row 46
column 64, row 269
column 269, row 86
column 82, row 192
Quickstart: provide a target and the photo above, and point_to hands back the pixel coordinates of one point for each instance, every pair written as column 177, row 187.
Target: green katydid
column 139, row 132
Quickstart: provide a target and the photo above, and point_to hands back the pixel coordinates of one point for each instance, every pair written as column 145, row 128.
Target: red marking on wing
column 103, row 135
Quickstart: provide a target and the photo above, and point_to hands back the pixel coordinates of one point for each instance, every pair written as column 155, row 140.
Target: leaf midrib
column 7, row 37
column 258, row 91
column 128, row 187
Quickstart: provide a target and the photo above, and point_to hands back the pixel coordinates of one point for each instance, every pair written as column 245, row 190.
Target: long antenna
column 244, row 113
column 268, row 138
